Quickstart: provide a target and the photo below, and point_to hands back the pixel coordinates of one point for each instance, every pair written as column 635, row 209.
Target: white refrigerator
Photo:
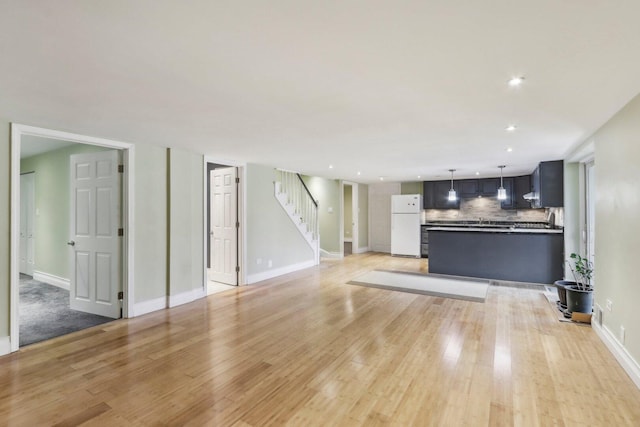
column 405, row 225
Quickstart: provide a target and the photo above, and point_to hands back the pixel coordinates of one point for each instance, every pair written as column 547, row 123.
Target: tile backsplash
column 487, row 208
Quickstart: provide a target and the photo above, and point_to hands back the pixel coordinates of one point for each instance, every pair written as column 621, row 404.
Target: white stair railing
column 296, row 199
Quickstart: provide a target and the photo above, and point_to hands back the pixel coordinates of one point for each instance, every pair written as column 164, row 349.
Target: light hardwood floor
column 307, row 349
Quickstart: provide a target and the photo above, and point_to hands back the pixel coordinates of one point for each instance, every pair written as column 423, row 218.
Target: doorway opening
column 223, row 213
column 349, row 234
column 590, row 210
column 71, row 233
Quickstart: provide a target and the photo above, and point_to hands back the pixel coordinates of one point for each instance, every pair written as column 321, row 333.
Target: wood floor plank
column 308, row 349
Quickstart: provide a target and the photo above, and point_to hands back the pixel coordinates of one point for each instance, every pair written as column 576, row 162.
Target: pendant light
column 502, row 193
column 452, row 193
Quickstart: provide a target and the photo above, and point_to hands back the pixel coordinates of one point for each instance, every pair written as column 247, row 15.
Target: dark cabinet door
column 509, row 202
column 489, row 187
column 522, row 186
column 441, row 195
column 551, row 184
column 427, row 195
column 468, row 187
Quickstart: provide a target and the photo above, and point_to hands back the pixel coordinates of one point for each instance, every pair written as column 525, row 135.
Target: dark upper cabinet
column 427, row 195
column 489, row 187
column 436, row 195
column 468, row 187
column 509, row 202
column 522, row 186
column 547, row 183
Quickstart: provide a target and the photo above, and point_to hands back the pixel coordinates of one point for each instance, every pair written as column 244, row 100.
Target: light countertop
column 499, row 230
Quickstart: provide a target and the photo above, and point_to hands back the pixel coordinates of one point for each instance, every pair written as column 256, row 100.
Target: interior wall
column 270, row 233
column 151, row 228
column 415, row 187
column 380, row 215
column 53, row 207
column 572, row 222
column 328, row 193
column 617, row 201
column 348, row 212
column 5, row 230
column 363, row 217
column 186, row 221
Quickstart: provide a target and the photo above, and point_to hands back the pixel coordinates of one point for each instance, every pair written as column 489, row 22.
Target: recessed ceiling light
column 509, row 150
column 418, row 176
column 358, row 173
column 516, row 81
column 330, row 166
column 477, row 173
column 510, row 128
column 382, row 178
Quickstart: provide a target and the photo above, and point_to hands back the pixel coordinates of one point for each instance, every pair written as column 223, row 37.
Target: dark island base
column 520, row 257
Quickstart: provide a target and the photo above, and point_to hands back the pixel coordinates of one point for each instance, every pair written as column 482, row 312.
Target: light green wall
column 411, row 187
column 185, row 221
column 572, row 222
column 270, row 233
column 617, row 155
column 348, row 212
column 151, row 226
column 5, row 227
column 363, row 215
column 329, row 194
column 52, row 204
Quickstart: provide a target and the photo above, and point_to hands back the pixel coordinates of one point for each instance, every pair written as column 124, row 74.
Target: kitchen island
column 513, row 254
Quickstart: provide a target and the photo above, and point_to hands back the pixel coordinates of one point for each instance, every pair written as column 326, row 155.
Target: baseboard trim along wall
column 5, row 345
column 144, row 307
column 621, row 354
column 185, row 297
column 361, row 250
column 51, row 279
column 327, row 254
column 270, row 274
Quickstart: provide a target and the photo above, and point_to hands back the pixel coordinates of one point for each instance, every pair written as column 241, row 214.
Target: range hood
column 530, row 196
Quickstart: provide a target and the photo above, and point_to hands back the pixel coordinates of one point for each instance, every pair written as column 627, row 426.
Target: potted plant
column 580, row 294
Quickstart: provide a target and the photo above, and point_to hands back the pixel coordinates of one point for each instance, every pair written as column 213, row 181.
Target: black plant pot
column 579, row 300
column 561, row 287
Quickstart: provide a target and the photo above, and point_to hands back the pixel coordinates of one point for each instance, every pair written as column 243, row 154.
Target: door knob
column 71, row 243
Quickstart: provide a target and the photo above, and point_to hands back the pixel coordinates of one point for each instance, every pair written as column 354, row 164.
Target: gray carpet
column 45, row 312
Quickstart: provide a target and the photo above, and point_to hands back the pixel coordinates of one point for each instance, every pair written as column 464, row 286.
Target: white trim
column 185, row 297
column 361, row 250
column 149, row 306
column 621, row 354
column 5, row 345
column 270, row 274
column 348, row 240
column 17, row 130
column 51, row 279
column 327, row 254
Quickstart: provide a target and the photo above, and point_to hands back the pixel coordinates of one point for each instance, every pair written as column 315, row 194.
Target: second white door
column 224, row 226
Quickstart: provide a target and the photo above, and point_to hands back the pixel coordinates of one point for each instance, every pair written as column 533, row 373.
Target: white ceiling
column 389, row 88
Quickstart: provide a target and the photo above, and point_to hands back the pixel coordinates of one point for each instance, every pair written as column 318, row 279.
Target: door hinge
column 120, row 232
column 120, row 295
column 237, row 224
column 237, row 269
column 121, row 168
column 237, row 180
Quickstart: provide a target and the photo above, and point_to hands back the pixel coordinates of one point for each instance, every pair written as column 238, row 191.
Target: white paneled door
column 224, row 226
column 94, row 241
column 27, row 218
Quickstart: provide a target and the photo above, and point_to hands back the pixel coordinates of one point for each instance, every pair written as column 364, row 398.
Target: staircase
column 302, row 208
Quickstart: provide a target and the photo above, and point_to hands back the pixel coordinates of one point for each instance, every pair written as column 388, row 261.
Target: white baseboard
column 150, row 306
column 5, row 345
column 361, row 250
column 186, row 297
column 621, row 354
column 327, row 254
column 51, row 279
column 270, row 274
